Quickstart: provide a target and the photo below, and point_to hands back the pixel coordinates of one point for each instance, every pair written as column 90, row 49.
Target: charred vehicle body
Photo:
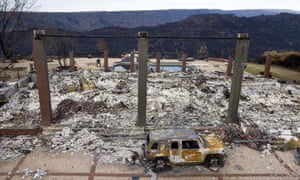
column 170, row 147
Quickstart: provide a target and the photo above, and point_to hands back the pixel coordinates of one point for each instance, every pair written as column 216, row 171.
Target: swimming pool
column 168, row 67
column 152, row 67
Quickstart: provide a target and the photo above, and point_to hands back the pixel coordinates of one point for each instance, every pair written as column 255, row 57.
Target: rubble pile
column 196, row 99
column 252, row 136
column 69, row 106
column 91, row 143
column 11, row 147
column 270, row 104
column 22, row 109
column 66, row 140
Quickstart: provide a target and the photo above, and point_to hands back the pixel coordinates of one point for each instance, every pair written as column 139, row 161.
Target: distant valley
column 267, row 32
column 86, row 21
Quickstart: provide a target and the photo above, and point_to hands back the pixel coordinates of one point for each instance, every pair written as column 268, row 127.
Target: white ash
column 174, row 99
column 37, row 174
column 11, row 147
column 66, row 140
column 90, row 143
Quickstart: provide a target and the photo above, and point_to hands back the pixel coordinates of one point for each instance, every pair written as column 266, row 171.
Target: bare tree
column 60, row 47
column 11, row 20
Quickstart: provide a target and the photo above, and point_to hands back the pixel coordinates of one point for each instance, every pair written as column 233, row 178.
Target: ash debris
column 253, row 137
column 11, row 147
column 37, row 174
column 68, row 107
column 109, row 101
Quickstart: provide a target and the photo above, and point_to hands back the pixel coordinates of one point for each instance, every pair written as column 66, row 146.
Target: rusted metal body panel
column 182, row 146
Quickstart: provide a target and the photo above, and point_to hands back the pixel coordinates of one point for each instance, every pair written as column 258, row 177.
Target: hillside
column 86, row 21
column 277, row 32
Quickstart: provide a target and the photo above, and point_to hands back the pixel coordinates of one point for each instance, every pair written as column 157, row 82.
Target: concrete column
column 132, row 68
column 268, row 66
column 72, row 61
column 183, row 66
column 241, row 55
column 40, row 63
column 229, row 66
column 142, row 77
column 158, row 56
column 105, row 54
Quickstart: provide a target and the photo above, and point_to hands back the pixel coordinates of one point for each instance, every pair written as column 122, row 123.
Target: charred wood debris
column 269, row 111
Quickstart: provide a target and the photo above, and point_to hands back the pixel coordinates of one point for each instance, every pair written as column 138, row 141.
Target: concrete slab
column 66, row 178
column 119, row 168
column 3, row 176
column 189, row 178
column 243, row 160
column 289, row 159
column 120, row 178
column 260, row 178
column 21, row 177
column 63, row 162
column 7, row 166
column 53, row 178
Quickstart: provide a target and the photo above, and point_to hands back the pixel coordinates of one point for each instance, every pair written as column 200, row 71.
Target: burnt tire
column 214, row 162
column 160, row 164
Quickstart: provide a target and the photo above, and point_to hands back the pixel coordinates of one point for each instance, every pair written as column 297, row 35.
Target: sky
column 121, row 5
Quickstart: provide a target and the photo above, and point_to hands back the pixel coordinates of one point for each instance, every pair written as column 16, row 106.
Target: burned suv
column 169, row 147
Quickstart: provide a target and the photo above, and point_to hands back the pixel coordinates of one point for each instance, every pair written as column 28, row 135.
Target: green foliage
column 276, row 71
column 288, row 59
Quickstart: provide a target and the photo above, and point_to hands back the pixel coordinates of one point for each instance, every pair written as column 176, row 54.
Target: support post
column 268, row 66
column 105, row 54
column 241, row 54
column 72, row 61
column 142, row 77
column 132, row 68
column 229, row 66
column 40, row 63
column 183, row 66
column 158, row 56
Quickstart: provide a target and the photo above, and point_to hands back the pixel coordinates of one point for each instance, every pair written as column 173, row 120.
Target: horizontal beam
column 20, row 131
column 135, row 37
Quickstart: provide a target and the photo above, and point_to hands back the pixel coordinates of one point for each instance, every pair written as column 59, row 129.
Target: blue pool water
column 174, row 68
column 152, row 68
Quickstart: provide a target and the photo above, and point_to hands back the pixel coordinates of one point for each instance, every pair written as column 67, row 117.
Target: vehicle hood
column 213, row 142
